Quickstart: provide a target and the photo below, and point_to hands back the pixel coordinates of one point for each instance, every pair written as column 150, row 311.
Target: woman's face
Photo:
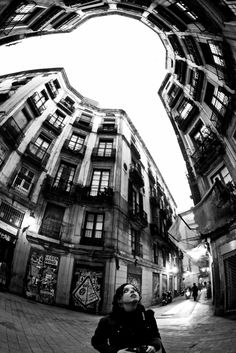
column 130, row 298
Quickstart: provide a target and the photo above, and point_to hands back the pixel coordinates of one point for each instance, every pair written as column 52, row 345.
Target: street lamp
column 30, row 221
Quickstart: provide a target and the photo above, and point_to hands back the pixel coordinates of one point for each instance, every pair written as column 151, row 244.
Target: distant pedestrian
column 194, row 291
column 129, row 327
column 209, row 290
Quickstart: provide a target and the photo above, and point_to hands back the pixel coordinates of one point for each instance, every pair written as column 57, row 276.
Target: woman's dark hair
column 118, row 295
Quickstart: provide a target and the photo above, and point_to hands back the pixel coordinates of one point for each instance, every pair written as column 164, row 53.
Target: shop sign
column 51, row 260
column 85, row 293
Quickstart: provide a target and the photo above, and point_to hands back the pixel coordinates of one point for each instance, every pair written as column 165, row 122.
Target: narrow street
column 185, row 326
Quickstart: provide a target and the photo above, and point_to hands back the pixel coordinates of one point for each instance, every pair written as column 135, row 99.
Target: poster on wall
column 156, row 288
column 86, row 289
column 41, row 279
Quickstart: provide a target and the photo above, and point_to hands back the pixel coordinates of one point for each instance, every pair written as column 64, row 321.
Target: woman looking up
column 129, row 327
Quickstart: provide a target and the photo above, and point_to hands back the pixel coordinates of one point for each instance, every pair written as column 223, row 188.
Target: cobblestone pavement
column 29, row 327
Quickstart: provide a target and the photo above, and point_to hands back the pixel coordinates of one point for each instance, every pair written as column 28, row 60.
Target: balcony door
column 64, row 177
column 100, row 181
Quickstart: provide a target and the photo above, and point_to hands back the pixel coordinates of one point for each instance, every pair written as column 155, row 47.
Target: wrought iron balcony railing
column 61, row 190
column 83, row 124
column 107, row 128
column 12, row 133
column 84, row 194
column 66, row 107
column 36, row 154
column 138, row 216
column 209, row 149
column 78, row 151
column 135, row 175
column 53, row 124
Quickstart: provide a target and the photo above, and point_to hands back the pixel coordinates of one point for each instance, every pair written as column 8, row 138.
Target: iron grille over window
column 10, row 215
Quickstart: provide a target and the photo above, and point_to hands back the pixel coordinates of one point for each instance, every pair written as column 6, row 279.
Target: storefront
column 41, row 277
column 87, row 287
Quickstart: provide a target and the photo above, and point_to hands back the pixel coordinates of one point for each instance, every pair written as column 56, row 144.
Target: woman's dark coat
column 122, row 329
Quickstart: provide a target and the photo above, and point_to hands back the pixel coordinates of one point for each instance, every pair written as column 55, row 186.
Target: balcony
column 136, row 176
column 103, row 154
column 83, row 124
column 33, row 106
column 208, row 151
column 66, row 107
column 183, row 123
column 78, row 151
column 36, row 155
column 107, row 129
column 62, row 190
column 172, row 100
column 180, row 70
column 83, row 194
column 138, row 216
column 53, row 125
column 52, row 90
column 12, row 133
column 154, row 201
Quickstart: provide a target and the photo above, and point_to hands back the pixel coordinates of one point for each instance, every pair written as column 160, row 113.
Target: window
column 10, row 215
column 189, row 16
column 136, row 246
column 39, row 100
column 223, row 175
column 52, row 88
column 94, row 226
column 64, row 177
column 40, row 146
column 24, row 180
column 76, row 142
column 100, row 181
column 216, row 98
column 105, row 148
column 22, row 12
column 217, row 53
column 56, row 119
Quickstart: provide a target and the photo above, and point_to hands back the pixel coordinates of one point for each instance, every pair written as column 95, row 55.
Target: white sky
column 120, row 63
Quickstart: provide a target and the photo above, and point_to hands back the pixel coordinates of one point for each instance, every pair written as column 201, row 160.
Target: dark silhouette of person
column 129, row 327
column 194, row 291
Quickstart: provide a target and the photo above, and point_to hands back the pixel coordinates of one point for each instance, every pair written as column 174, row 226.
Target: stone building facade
column 83, row 207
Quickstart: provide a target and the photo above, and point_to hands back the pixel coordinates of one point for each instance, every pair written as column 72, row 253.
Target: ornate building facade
column 83, row 206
